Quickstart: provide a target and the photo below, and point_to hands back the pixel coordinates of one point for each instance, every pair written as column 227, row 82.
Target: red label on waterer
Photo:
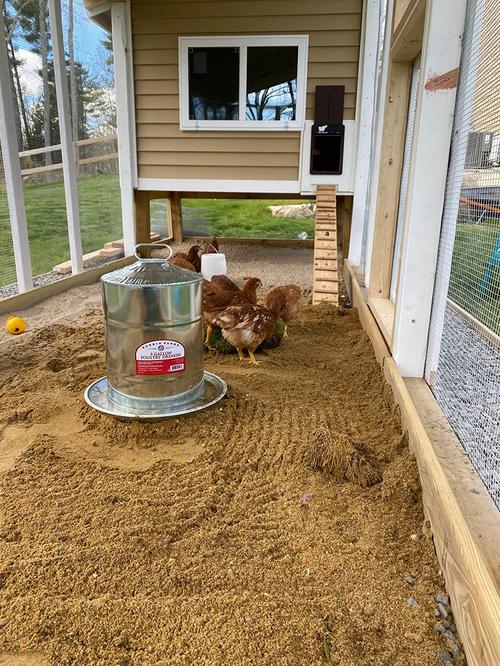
column 160, row 357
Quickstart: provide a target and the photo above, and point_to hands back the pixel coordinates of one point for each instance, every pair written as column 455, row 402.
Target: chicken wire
column 91, row 99
column 7, row 265
column 463, row 360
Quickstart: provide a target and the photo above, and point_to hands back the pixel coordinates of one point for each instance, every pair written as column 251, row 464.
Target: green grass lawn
column 100, row 216
column 473, row 247
column 241, row 218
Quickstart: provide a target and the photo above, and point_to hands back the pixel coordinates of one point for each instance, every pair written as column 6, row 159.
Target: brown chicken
column 246, row 326
column 284, row 302
column 182, row 263
column 225, row 283
column 192, row 256
column 211, row 247
column 216, row 300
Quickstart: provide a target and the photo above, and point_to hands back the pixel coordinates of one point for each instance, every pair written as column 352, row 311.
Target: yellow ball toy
column 15, row 325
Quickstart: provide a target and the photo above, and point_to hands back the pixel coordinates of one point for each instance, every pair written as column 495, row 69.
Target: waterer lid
column 151, row 272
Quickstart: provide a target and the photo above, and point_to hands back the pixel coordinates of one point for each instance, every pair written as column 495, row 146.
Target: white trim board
column 365, row 112
column 124, row 84
column 426, row 186
column 218, row 185
column 67, row 145
column 242, row 42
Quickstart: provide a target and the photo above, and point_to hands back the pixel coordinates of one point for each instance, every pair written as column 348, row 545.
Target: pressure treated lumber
column 464, row 521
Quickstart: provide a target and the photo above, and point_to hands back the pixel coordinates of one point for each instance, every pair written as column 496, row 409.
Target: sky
column 88, row 50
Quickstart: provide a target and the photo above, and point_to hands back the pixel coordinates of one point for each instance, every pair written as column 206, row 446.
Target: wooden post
column 391, row 164
column 13, row 180
column 65, row 130
column 344, row 217
column 176, row 216
column 142, row 216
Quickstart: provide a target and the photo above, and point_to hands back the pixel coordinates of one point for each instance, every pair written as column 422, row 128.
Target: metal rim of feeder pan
column 154, row 343
column 214, row 389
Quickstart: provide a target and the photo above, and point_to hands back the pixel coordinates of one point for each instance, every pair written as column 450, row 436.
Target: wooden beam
column 393, row 140
column 176, row 216
column 38, row 294
column 142, row 216
column 464, row 520
column 265, row 242
column 13, row 180
column 358, row 298
column 371, row 204
column 409, row 32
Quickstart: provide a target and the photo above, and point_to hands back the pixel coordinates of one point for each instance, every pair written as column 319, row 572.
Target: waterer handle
column 154, row 246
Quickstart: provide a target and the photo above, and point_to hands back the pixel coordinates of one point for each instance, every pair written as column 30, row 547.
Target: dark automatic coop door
column 327, row 134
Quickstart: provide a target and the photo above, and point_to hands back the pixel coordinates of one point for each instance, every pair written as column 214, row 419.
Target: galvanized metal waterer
column 154, row 343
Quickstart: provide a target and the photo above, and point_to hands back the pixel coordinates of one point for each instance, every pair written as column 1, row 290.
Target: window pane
column 213, row 83
column 271, row 82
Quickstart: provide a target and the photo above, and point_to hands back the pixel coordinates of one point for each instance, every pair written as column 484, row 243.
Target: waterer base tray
column 214, row 389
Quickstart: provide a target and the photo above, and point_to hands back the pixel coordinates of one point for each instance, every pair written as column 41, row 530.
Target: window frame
column 243, row 42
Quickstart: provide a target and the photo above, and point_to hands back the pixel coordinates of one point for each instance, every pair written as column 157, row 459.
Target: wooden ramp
column 326, row 277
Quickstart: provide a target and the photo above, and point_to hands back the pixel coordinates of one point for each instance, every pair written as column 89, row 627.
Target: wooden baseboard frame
column 268, row 242
column 464, row 520
column 359, row 300
column 38, row 294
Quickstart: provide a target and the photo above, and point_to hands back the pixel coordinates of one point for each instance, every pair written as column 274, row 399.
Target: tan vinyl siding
column 164, row 151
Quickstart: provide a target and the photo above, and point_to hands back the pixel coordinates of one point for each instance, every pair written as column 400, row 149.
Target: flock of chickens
column 244, row 323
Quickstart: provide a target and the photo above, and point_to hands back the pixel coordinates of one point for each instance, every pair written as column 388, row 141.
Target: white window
column 243, row 83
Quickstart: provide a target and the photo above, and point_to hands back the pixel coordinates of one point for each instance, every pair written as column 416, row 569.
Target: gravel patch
column 468, row 389
column 48, row 278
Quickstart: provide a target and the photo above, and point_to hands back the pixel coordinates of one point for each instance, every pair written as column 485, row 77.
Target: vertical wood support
column 13, row 179
column 326, row 277
column 142, row 217
column 365, row 116
column 366, row 258
column 344, row 224
column 122, row 59
column 427, row 180
column 176, row 216
column 67, row 147
column 389, row 181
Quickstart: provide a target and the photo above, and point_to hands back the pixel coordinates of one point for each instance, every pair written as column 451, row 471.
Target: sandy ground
column 277, row 528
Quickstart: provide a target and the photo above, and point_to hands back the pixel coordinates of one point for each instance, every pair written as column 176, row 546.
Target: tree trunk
column 44, row 50
column 72, row 71
column 15, row 100
column 21, row 104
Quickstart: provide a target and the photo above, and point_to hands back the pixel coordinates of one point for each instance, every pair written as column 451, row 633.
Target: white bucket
column 213, row 264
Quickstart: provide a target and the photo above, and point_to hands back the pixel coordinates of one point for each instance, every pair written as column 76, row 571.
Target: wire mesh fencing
column 463, row 361
column 92, row 107
column 7, row 265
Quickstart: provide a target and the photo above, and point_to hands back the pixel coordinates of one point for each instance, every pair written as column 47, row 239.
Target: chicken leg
column 285, row 332
column 253, row 360
column 241, row 355
column 207, row 335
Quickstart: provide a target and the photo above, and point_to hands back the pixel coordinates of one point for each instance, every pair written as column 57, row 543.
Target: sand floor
column 210, row 539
